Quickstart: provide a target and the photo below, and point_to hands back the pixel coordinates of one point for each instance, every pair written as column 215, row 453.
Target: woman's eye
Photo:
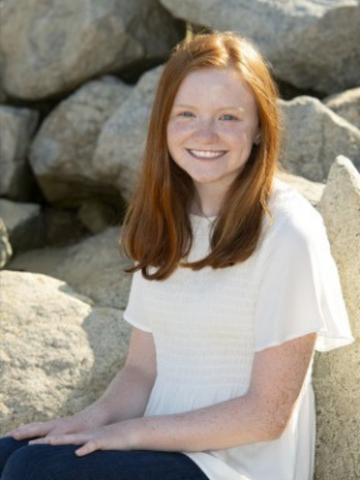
column 186, row 114
column 228, row 117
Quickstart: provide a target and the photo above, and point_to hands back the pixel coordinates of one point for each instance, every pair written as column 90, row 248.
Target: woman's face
column 212, row 126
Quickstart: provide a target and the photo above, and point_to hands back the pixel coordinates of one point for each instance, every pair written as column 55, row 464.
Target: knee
column 8, row 446
column 20, row 465
column 33, row 462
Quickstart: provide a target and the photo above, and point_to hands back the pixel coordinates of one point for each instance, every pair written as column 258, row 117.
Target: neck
column 207, row 203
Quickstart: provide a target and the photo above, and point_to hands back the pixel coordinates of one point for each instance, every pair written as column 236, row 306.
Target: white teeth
column 207, row 153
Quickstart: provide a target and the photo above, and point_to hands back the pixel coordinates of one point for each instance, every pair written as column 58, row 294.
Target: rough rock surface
column 2, row 93
column 337, row 374
column 314, row 137
column 52, row 46
column 58, row 352
column 97, row 216
column 17, row 126
column 40, row 260
column 346, row 104
column 62, row 150
column 24, row 224
column 291, row 35
column 312, row 191
column 5, row 246
column 95, row 268
column 119, row 151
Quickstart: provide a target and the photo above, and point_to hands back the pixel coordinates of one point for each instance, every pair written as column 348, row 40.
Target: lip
column 201, row 154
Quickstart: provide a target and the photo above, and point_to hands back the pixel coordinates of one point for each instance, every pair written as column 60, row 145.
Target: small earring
column 257, row 140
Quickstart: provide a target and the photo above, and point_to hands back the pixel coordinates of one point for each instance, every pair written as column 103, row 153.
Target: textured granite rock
column 95, row 268
column 314, row 136
column 58, row 352
column 24, row 224
column 311, row 44
column 17, row 126
column 61, row 153
column 52, row 46
column 120, row 147
column 337, row 373
column 5, row 246
column 346, row 104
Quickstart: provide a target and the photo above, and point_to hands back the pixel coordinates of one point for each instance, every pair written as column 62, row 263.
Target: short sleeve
column 134, row 312
column 300, row 290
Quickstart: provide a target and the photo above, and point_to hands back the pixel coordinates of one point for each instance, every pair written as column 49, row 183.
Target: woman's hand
column 117, row 436
column 88, row 419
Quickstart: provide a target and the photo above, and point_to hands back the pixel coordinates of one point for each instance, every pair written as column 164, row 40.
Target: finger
column 31, row 430
column 89, row 447
column 73, row 439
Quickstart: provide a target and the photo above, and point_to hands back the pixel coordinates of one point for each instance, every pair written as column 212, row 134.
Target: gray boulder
column 97, row 216
column 312, row 191
column 311, row 44
column 58, row 352
column 42, row 260
column 95, row 268
column 337, row 374
column 61, row 153
column 2, row 93
column 346, row 104
column 17, row 126
column 5, row 246
column 314, row 136
column 52, row 46
column 120, row 146
column 24, row 224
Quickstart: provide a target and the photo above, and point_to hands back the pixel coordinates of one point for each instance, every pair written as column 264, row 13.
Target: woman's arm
column 128, row 393
column 125, row 398
column 260, row 415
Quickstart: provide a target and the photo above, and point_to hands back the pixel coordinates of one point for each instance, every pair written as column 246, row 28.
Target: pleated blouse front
column 209, row 324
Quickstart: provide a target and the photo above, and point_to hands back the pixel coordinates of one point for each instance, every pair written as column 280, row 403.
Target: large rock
column 314, row 136
column 5, row 246
column 2, row 93
column 52, row 46
column 312, row 191
column 24, row 224
column 95, row 268
column 61, row 153
column 337, row 374
column 311, row 44
column 58, row 352
column 120, row 147
column 346, row 104
column 43, row 260
column 17, row 126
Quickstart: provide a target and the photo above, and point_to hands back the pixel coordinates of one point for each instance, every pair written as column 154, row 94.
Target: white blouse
column 209, row 324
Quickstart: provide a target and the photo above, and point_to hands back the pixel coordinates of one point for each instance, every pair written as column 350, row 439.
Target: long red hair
column 157, row 231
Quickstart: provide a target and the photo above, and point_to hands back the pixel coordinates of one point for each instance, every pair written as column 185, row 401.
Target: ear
column 257, row 139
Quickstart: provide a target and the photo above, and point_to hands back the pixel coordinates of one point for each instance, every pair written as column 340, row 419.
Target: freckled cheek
column 177, row 133
column 240, row 137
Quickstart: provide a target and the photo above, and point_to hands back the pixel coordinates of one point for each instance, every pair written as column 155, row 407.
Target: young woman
column 234, row 287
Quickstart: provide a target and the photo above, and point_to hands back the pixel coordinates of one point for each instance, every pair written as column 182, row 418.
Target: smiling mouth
column 206, row 154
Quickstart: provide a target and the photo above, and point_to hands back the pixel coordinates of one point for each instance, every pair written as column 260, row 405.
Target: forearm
column 235, row 422
column 126, row 397
column 260, row 415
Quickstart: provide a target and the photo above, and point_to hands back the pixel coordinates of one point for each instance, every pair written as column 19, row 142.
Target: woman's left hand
column 117, row 436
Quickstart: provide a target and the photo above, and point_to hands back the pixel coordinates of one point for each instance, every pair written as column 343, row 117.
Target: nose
column 206, row 132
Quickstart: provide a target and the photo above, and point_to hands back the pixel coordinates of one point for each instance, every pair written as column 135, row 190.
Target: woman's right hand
column 88, row 419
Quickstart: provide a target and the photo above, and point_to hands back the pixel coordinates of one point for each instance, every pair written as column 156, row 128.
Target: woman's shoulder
column 292, row 216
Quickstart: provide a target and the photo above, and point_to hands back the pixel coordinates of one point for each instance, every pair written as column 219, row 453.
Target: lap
column 45, row 462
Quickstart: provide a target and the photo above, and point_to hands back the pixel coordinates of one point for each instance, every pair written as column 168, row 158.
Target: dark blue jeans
column 20, row 461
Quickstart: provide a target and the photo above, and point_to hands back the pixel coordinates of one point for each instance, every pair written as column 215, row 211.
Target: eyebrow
column 226, row 108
